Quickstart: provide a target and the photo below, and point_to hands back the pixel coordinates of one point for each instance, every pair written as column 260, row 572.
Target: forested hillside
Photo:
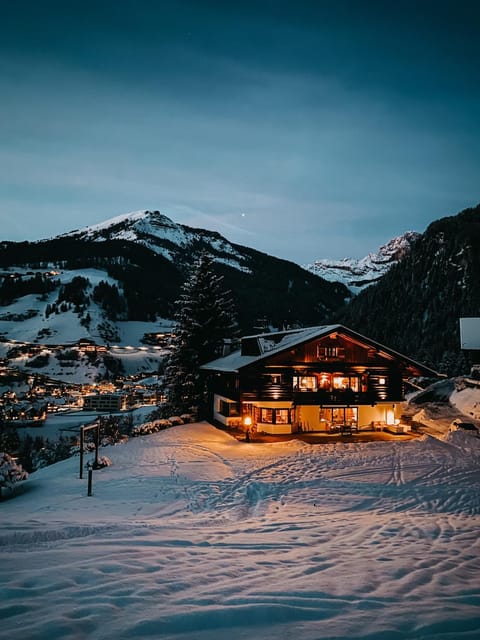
column 276, row 291
column 415, row 308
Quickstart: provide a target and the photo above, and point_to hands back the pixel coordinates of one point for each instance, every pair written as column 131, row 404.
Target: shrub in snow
column 151, row 427
column 163, row 424
column 10, row 471
column 175, row 420
column 155, row 414
column 52, row 452
column 143, row 429
column 102, row 462
column 187, row 418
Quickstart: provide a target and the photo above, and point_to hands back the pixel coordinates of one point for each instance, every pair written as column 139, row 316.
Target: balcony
column 269, row 391
column 347, row 397
column 285, row 392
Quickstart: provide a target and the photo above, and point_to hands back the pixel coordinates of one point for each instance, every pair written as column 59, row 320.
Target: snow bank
column 467, row 400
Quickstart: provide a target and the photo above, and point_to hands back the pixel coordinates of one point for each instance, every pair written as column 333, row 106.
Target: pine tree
column 204, row 319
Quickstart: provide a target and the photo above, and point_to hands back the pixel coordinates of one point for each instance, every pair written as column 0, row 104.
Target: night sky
column 303, row 129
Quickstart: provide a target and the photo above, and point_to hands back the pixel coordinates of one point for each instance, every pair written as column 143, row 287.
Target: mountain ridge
column 355, row 274
column 430, row 281
column 160, row 234
column 150, row 256
column 415, row 307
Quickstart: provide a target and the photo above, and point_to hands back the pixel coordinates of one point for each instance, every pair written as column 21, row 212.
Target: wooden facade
column 318, row 379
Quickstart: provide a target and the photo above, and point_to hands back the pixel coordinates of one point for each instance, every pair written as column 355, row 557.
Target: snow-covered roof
column 268, row 344
column 273, row 343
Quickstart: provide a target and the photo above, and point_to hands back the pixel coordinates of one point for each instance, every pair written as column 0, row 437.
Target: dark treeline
column 415, row 308
column 17, row 286
column 279, row 291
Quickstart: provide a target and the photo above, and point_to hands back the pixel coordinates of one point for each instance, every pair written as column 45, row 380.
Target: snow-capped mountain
column 161, row 235
column 358, row 274
column 145, row 258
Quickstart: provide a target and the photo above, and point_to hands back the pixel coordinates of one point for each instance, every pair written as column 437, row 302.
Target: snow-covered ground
column 66, row 327
column 68, row 423
column 434, row 409
column 192, row 534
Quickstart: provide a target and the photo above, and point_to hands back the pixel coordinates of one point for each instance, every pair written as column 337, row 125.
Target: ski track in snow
column 193, row 535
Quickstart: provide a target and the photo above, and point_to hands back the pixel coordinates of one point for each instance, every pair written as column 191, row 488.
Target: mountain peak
column 359, row 274
column 163, row 236
column 116, row 228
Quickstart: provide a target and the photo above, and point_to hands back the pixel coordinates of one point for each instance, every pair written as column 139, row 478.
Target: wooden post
column 84, row 428
column 90, row 480
column 97, row 444
column 81, row 453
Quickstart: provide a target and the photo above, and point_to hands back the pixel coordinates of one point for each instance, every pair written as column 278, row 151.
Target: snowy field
column 192, row 534
column 68, row 423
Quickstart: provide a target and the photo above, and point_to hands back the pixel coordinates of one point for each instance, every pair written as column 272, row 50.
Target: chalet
column 320, row 379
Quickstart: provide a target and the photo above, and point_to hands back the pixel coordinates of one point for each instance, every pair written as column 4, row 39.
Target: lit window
column 266, row 416
column 330, row 353
column 340, row 382
column 324, row 381
column 275, row 416
column 282, row 416
column 305, row 383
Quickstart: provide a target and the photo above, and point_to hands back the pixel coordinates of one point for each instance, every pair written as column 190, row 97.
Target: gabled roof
column 270, row 344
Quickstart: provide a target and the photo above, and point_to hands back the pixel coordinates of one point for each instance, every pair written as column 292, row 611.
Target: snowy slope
column 65, row 327
column 58, row 328
column 193, row 535
column 26, row 321
column 358, row 274
column 163, row 236
column 83, row 370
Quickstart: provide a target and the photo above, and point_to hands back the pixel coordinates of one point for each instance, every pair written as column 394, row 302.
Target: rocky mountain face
column 356, row 275
column 415, row 307
column 162, row 236
column 148, row 256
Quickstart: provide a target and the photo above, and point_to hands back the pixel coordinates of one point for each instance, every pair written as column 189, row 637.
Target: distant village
column 44, row 396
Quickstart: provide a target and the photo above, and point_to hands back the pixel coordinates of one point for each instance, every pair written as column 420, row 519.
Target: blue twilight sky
column 303, row 129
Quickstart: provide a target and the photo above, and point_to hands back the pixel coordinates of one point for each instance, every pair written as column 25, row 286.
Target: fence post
column 81, row 453
column 90, row 479
column 97, row 444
